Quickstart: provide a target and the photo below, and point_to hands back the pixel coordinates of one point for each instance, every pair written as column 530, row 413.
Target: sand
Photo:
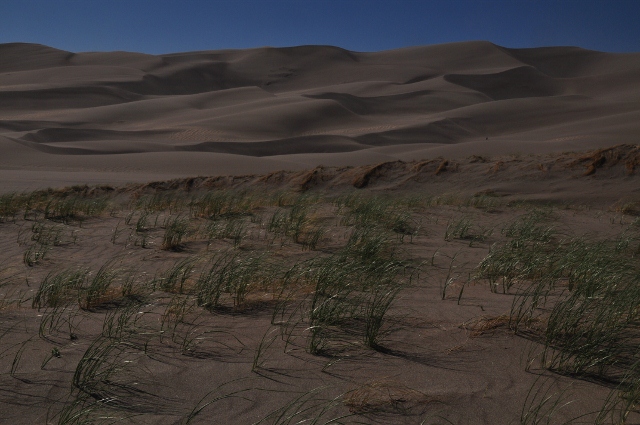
column 444, row 134
column 125, row 117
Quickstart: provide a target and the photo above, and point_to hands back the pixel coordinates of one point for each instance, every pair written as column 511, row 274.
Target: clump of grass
column 369, row 244
column 35, row 254
column 486, row 200
column 310, row 407
column 96, row 370
column 45, row 234
column 590, row 328
column 171, row 201
column 210, row 398
column 224, row 204
column 362, row 211
column 353, row 291
column 464, row 229
column 529, row 254
column 377, row 211
column 176, row 278
column 122, row 322
column 176, row 312
column 10, row 205
column 295, row 222
column 176, row 229
column 235, row 274
column 56, row 318
column 542, row 404
column 142, row 224
column 101, row 288
column 234, row 229
column 579, row 298
column 376, row 305
column 458, row 229
column 623, row 400
column 267, row 340
column 58, row 289
column 74, row 207
column 529, row 228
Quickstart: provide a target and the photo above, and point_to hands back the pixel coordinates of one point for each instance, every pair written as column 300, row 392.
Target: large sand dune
column 117, row 116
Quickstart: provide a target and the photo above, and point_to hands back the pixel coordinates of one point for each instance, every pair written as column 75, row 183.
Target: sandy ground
column 155, row 354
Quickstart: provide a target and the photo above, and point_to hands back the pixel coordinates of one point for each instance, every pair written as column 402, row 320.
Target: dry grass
column 331, row 274
column 442, row 167
column 385, row 395
column 486, row 325
column 498, row 166
column 597, row 159
column 371, row 173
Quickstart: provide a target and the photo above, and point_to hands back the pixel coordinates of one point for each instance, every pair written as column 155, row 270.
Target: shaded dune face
column 312, row 99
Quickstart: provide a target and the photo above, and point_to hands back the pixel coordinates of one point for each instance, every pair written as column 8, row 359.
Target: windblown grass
column 58, row 289
column 329, row 270
column 579, row 297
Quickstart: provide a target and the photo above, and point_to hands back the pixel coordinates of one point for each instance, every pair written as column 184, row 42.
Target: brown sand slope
column 122, row 116
column 259, row 310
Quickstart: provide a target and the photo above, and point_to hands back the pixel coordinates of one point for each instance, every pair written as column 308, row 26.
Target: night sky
column 164, row 26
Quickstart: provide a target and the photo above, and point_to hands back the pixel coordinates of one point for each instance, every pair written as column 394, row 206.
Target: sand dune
column 308, row 100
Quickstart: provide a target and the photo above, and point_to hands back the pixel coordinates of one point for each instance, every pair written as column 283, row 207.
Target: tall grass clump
column 297, row 222
column 35, row 254
column 108, row 284
column 310, row 407
column 234, row 275
column 57, row 289
column 45, row 234
column 458, row 229
column 171, row 201
column 579, row 297
column 377, row 211
column 233, row 228
column 177, row 277
column 97, row 372
column 10, row 205
column 529, row 254
column 176, row 229
column 353, row 291
column 217, row 204
column 73, row 207
column 464, row 229
column 531, row 227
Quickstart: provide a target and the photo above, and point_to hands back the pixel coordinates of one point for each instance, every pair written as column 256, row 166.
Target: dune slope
column 134, row 117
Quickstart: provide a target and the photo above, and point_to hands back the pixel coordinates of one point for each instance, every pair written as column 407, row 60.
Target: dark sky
column 162, row 26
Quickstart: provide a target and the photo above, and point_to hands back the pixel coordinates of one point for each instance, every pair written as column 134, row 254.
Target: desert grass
column 109, row 284
column 10, row 205
column 234, row 275
column 330, row 270
column 579, row 297
column 57, row 289
column 177, row 278
column 313, row 407
column 543, row 403
column 176, row 229
column 385, row 395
